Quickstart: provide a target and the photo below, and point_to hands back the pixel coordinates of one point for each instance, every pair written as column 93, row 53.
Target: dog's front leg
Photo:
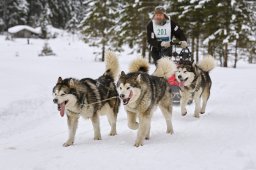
column 144, row 125
column 167, row 112
column 132, row 123
column 96, row 126
column 183, row 102
column 72, row 126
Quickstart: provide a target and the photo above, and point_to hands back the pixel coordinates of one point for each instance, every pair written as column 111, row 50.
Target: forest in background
column 224, row 29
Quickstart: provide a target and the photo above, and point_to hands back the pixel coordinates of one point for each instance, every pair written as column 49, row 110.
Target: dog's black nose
column 55, row 100
column 122, row 96
column 179, row 77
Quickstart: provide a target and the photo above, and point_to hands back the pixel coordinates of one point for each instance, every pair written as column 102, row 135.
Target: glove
column 165, row 44
column 183, row 44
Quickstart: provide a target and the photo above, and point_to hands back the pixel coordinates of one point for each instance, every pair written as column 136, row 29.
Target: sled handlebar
column 175, row 43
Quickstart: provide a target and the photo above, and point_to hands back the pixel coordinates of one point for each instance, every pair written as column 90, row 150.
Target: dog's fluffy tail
column 207, row 63
column 165, row 68
column 139, row 64
column 112, row 64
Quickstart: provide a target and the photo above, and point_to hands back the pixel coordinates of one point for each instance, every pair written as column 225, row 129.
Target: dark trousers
column 163, row 52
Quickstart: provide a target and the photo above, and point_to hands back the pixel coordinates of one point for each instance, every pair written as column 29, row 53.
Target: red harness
column 173, row 81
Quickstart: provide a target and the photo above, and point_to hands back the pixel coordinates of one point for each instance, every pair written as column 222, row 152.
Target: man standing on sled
column 160, row 31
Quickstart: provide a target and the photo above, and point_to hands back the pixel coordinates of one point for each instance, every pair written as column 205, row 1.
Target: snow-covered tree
column 44, row 21
column 35, row 9
column 60, row 12
column 13, row 12
column 98, row 27
column 72, row 24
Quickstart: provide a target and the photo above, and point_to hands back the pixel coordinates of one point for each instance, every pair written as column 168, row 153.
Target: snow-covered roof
column 19, row 28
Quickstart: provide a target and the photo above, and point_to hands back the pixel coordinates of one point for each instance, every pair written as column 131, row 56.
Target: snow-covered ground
column 32, row 132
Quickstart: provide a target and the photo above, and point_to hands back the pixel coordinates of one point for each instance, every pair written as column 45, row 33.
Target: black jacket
column 176, row 31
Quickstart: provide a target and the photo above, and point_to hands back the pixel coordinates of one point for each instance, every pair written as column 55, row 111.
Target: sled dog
column 141, row 93
column 196, row 83
column 89, row 98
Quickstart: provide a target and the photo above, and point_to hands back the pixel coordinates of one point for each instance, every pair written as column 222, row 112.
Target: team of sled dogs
column 139, row 92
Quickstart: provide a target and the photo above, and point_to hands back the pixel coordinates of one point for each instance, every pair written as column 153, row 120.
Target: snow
column 18, row 28
column 233, row 2
column 32, row 132
column 219, row 5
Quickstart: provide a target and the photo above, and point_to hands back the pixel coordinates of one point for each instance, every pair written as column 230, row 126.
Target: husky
column 89, row 98
column 141, row 93
column 196, row 83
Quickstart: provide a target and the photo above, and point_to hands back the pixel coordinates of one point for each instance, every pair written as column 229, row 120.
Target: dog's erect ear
column 122, row 73
column 59, row 80
column 71, row 83
column 138, row 78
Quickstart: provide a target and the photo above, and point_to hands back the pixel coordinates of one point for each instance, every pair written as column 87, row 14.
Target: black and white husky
column 196, row 83
column 89, row 98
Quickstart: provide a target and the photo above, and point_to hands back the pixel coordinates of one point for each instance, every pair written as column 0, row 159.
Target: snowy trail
column 32, row 132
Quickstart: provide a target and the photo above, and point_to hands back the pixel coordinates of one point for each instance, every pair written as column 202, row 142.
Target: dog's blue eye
column 62, row 94
column 128, row 88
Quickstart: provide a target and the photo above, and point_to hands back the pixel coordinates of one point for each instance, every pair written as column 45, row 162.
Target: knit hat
column 160, row 10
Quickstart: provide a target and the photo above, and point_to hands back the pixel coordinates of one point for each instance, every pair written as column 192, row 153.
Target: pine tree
column 35, row 8
column 60, row 12
column 13, row 12
column 72, row 24
column 2, row 15
column 98, row 27
column 44, row 21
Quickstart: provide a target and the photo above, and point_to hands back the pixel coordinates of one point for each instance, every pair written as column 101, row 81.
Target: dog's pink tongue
column 62, row 109
column 181, row 84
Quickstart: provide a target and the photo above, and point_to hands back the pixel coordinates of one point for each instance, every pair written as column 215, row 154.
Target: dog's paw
column 196, row 115
column 112, row 133
column 169, row 131
column 147, row 138
column 68, row 143
column 133, row 126
column 97, row 138
column 202, row 112
column 138, row 143
column 184, row 113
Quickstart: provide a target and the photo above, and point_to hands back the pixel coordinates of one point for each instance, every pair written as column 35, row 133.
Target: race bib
column 162, row 32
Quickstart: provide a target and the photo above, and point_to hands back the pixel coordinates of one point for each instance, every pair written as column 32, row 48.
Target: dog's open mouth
column 126, row 101
column 183, row 80
column 61, row 108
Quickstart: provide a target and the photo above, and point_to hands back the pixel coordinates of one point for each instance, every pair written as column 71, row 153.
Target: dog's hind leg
column 112, row 122
column 132, row 123
column 96, row 126
column 197, row 98
column 72, row 126
column 148, row 133
column 144, row 126
column 166, row 109
column 205, row 97
column 185, row 96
